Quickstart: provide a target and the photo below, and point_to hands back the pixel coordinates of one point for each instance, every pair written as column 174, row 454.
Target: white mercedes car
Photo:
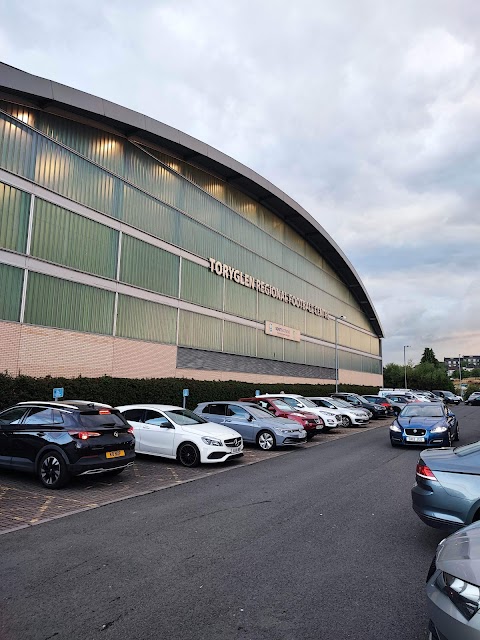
column 173, row 432
column 348, row 415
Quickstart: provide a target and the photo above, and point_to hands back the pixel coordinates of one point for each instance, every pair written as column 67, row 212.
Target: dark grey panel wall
column 213, row 361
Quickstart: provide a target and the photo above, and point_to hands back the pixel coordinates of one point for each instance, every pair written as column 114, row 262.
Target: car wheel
column 266, row 440
column 52, row 470
column 310, row 436
column 346, row 422
column 457, row 434
column 188, row 454
column 394, row 444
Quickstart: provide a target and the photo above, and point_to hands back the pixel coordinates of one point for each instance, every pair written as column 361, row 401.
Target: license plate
column 115, row 454
column 415, row 439
column 235, row 450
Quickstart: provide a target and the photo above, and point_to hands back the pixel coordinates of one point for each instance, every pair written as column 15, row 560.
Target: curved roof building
column 129, row 248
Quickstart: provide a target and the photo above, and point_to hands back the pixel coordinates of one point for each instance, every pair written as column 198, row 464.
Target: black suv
column 58, row 440
column 356, row 400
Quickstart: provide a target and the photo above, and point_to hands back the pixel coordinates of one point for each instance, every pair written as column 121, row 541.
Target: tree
column 429, row 356
column 393, row 376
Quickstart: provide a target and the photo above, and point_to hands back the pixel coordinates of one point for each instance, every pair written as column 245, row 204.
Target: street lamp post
column 337, row 318
column 460, row 373
column 405, row 363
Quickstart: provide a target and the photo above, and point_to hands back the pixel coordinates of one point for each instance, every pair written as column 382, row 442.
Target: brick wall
column 40, row 351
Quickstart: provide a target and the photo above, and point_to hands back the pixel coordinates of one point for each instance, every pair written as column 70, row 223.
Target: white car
column 301, row 404
column 348, row 414
column 173, row 432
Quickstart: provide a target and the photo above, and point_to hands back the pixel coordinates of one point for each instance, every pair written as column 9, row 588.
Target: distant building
column 468, row 362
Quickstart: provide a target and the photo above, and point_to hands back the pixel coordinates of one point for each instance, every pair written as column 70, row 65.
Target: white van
column 398, row 392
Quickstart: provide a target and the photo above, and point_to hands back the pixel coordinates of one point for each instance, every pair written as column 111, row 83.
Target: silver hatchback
column 453, row 594
column 253, row 423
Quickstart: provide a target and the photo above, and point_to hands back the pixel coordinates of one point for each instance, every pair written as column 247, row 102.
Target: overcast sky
column 366, row 112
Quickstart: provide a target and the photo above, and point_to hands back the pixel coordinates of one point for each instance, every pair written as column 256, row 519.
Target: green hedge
column 118, row 391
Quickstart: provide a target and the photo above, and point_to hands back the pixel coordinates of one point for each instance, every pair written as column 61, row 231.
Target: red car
column 309, row 421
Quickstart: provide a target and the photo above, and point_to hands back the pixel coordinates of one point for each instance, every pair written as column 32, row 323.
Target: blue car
column 426, row 424
column 446, row 494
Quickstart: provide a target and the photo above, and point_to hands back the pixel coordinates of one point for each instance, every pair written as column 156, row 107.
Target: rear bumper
column 100, row 464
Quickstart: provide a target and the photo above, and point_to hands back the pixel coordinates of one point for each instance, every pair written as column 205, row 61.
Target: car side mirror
column 250, row 418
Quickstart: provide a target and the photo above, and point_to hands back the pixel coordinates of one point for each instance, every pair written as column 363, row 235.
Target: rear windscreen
column 94, row 419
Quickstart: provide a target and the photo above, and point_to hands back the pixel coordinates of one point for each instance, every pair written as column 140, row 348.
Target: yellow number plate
column 115, row 454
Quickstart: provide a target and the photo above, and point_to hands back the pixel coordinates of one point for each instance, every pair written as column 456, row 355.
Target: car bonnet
column 459, row 554
column 420, row 422
column 209, row 429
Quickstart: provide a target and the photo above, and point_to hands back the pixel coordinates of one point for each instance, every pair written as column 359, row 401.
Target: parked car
column 173, row 432
column 425, row 423
column 254, row 423
column 57, row 440
column 446, row 494
column 384, row 402
column 398, row 402
column 281, row 409
column 453, row 592
column 299, row 403
column 473, row 399
column 356, row 400
column 448, row 397
column 349, row 416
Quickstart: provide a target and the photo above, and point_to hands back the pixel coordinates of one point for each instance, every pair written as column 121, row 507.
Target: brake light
column 130, row 429
column 104, row 412
column 84, row 435
column 423, row 471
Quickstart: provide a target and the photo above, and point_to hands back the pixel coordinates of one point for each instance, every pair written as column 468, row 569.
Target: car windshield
column 258, row 412
column 280, row 404
column 308, row 403
column 328, row 403
column 449, row 394
column 184, row 417
column 341, row 403
column 414, row 411
column 293, row 403
column 104, row 418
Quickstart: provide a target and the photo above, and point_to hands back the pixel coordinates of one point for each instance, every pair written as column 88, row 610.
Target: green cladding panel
column 269, row 347
column 17, row 147
column 11, row 283
column 14, row 210
column 201, row 286
column 146, row 320
column 52, row 302
column 240, row 301
column 239, row 339
column 66, row 238
column 148, row 267
column 294, row 351
column 202, row 332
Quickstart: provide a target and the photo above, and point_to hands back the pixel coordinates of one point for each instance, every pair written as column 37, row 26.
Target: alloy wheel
column 50, row 470
column 266, row 441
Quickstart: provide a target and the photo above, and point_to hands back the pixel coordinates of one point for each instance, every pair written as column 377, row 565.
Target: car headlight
column 395, row 427
column 212, row 442
column 465, row 596
column 438, row 429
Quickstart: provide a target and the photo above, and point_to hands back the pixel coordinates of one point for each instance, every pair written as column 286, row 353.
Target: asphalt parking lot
column 25, row 503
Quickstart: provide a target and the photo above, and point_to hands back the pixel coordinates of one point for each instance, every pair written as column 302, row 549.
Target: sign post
column 58, row 393
column 186, row 393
